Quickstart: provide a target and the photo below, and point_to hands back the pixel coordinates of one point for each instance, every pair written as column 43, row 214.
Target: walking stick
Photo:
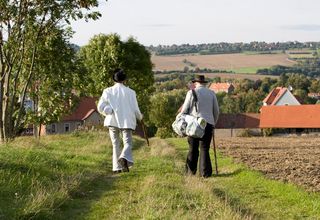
column 214, row 151
column 144, row 132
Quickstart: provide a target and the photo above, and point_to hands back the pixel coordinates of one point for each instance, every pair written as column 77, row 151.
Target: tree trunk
column 1, row 121
column 39, row 133
column 5, row 105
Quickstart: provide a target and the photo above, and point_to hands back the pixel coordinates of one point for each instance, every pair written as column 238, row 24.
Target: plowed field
column 289, row 159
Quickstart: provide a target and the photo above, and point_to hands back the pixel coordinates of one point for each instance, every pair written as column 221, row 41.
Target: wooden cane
column 214, row 151
column 144, row 132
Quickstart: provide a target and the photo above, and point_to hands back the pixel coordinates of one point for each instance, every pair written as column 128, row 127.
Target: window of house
column 66, row 127
column 53, row 128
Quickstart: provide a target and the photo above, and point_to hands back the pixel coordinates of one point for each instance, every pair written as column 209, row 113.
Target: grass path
column 154, row 189
column 69, row 177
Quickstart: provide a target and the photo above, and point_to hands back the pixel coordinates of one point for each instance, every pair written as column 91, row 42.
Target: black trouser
column 205, row 166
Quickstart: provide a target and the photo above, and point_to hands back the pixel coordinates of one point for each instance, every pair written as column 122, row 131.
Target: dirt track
column 290, row 159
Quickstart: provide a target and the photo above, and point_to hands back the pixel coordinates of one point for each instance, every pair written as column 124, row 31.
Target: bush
column 164, row 133
column 267, row 132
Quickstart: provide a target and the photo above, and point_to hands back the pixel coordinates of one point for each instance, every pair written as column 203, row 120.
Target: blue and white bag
column 189, row 125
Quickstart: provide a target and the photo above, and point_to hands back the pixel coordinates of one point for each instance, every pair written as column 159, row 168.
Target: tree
column 55, row 77
column 164, row 108
column 23, row 24
column 105, row 53
column 315, row 86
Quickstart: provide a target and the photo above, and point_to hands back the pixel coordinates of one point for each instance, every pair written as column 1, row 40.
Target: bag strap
column 195, row 98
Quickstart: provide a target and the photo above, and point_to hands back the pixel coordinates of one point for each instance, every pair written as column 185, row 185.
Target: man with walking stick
column 207, row 108
column 119, row 105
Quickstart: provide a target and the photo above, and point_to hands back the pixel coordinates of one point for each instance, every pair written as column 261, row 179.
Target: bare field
column 221, row 61
column 231, row 76
column 289, row 159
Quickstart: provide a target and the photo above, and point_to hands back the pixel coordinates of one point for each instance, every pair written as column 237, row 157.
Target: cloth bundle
column 188, row 125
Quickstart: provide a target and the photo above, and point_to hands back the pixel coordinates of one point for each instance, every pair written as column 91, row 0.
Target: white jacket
column 120, row 107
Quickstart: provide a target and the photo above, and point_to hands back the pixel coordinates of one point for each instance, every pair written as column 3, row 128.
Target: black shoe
column 124, row 164
column 116, row 171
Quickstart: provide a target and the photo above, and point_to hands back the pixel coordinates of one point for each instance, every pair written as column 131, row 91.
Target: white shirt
column 120, row 107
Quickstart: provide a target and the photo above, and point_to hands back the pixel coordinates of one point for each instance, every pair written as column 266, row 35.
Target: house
column 298, row 117
column 222, row 87
column 314, row 95
column 84, row 116
column 280, row 96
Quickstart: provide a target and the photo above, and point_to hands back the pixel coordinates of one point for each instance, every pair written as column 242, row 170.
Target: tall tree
column 23, row 24
column 104, row 53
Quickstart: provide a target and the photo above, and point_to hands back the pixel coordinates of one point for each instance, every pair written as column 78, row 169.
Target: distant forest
column 221, row 48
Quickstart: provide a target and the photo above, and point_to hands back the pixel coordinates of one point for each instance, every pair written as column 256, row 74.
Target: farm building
column 234, row 124
column 84, row 116
column 222, row 87
column 296, row 118
column 280, row 96
column 314, row 95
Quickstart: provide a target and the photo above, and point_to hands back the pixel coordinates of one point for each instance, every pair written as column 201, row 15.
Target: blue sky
column 167, row 22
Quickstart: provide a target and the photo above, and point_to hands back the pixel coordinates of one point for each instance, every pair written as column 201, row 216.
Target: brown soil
column 289, row 159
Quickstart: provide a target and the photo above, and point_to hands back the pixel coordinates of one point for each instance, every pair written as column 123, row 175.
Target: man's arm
column 138, row 114
column 215, row 109
column 187, row 102
column 104, row 107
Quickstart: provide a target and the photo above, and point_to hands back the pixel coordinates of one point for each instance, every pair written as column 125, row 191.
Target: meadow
column 69, row 177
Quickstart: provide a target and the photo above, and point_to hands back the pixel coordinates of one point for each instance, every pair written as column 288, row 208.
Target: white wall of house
column 69, row 126
column 94, row 119
column 287, row 99
column 63, row 127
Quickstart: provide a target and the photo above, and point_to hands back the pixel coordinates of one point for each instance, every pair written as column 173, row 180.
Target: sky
column 167, row 22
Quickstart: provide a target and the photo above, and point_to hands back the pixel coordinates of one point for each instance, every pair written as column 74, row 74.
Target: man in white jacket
column 120, row 107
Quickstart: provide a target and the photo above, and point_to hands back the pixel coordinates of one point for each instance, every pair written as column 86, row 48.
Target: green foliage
column 163, row 110
column 170, row 85
column 29, row 30
column 105, row 53
column 55, row 76
column 243, row 101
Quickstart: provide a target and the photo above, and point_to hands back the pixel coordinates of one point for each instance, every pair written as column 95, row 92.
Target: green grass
column 69, row 177
column 262, row 52
column 37, row 177
column 247, row 70
column 253, row 194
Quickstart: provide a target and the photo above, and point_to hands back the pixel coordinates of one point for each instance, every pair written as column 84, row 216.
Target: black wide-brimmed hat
column 119, row 75
column 200, row 79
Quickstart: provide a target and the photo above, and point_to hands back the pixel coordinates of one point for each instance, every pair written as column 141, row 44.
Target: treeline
column 195, row 70
column 222, row 48
column 309, row 67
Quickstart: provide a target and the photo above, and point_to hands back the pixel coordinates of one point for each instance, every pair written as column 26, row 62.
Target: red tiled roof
column 220, row 86
column 274, row 95
column 86, row 106
column 291, row 116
